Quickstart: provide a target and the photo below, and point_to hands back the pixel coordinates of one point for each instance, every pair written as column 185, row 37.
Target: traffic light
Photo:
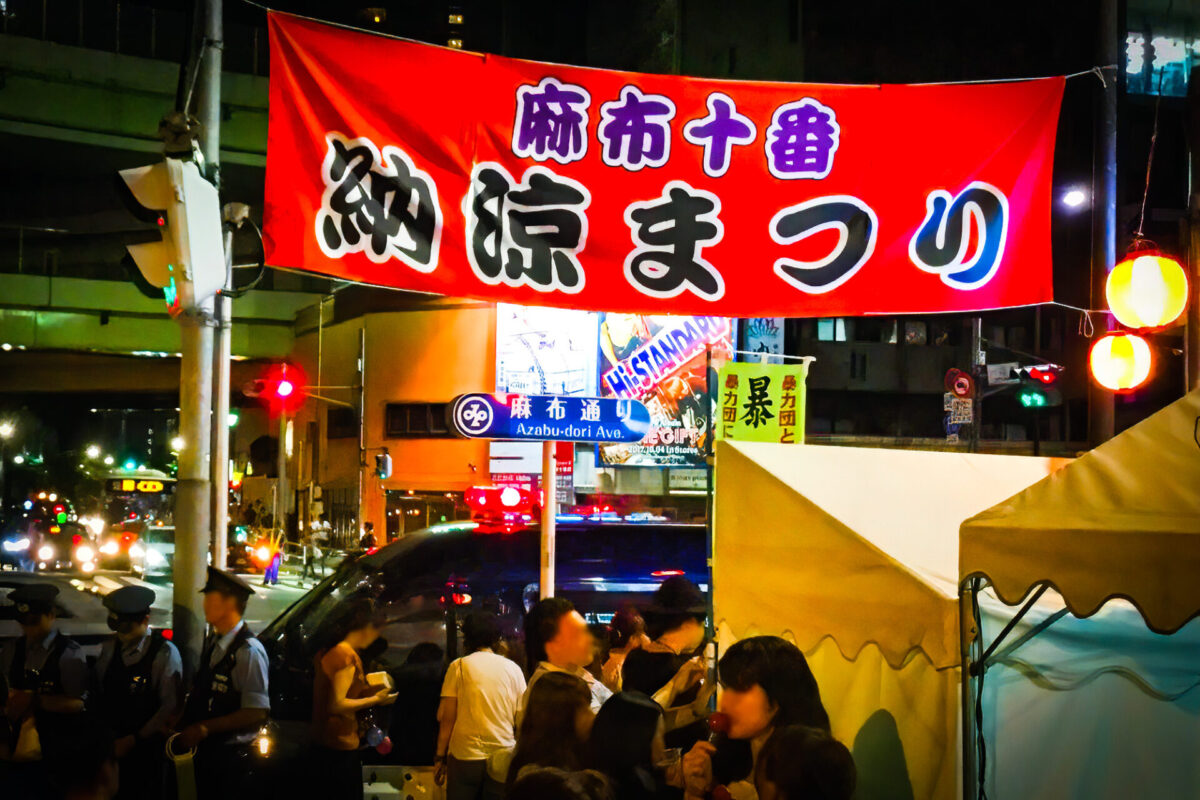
column 282, row 388
column 188, row 262
column 383, row 466
column 1038, row 387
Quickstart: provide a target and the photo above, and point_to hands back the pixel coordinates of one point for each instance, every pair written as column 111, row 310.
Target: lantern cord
column 1138, row 237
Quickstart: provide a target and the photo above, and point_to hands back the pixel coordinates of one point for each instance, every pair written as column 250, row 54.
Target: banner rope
column 1096, row 71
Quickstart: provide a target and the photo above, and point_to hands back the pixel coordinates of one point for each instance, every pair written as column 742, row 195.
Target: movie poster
column 545, row 350
column 660, row 360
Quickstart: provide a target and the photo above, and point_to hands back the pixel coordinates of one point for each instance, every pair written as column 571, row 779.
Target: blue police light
column 28, row 504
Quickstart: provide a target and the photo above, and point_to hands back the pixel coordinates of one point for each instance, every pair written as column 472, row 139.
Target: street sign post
column 549, row 419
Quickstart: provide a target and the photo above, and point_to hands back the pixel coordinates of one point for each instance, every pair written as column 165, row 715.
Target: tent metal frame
column 976, row 659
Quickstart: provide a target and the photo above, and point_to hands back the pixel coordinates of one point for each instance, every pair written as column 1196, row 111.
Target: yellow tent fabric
column 851, row 553
column 1121, row 521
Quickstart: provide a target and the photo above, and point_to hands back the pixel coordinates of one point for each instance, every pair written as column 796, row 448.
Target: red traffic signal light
column 1046, row 376
column 281, row 387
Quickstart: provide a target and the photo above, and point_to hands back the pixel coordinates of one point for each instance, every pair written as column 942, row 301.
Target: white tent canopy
column 1121, row 521
column 852, row 554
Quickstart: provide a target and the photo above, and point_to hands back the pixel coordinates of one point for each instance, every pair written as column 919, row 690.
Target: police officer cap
column 225, row 583
column 34, row 597
column 130, row 601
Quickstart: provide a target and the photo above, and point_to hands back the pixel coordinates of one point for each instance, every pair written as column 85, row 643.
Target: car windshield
column 159, row 535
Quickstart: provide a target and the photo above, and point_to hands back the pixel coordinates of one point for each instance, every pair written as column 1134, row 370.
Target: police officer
column 47, row 680
column 228, row 702
column 138, row 690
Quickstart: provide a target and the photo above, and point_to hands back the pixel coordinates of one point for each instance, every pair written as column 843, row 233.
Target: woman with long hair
column 626, row 742
column 767, row 685
column 340, row 691
column 556, row 725
column 626, row 633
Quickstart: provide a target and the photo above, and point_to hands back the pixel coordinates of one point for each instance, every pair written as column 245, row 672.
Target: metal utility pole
column 549, row 511
column 281, row 488
column 1192, row 373
column 220, row 426
column 193, row 499
column 1104, row 207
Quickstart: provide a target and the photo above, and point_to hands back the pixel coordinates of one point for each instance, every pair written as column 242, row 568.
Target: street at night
column 629, row 400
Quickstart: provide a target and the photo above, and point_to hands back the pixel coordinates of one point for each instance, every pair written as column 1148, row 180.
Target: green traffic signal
column 1032, row 399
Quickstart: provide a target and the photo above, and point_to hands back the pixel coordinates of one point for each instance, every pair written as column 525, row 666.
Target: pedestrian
column 557, row 639
column 229, row 701
column 340, row 692
column 555, row 729
column 367, row 542
column 322, row 536
column 627, row 632
column 670, row 667
column 137, row 690
column 802, row 763
column 767, row 684
column 626, row 742
column 47, row 679
column 307, row 549
column 414, row 725
column 477, row 714
column 549, row 783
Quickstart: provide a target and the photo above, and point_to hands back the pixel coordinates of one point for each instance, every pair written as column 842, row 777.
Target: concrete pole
column 549, row 511
column 192, row 492
column 1192, row 373
column 1104, row 209
column 281, row 488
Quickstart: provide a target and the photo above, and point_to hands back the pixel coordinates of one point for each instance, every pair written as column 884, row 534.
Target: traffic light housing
column 1038, row 387
column 383, row 466
column 282, row 387
column 188, row 262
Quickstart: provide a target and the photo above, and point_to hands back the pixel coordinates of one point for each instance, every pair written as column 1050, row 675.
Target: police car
column 428, row 581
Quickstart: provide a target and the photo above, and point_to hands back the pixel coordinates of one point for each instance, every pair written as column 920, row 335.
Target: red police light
column 285, row 388
column 666, row 573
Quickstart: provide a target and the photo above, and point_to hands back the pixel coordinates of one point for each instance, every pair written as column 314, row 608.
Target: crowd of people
column 625, row 714
column 634, row 722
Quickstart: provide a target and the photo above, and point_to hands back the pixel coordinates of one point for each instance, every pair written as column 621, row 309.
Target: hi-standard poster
column 661, row 360
column 435, row 170
column 545, row 350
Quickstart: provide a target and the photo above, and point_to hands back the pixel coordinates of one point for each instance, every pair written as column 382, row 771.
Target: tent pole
column 708, row 477
column 968, row 635
column 979, row 666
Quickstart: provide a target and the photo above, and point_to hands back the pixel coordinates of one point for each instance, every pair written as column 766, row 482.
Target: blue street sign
column 550, row 418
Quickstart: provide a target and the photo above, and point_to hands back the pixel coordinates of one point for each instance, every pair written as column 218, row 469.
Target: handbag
column 499, row 760
column 29, row 743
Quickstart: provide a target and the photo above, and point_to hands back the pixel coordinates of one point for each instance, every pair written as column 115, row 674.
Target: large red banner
column 434, row 170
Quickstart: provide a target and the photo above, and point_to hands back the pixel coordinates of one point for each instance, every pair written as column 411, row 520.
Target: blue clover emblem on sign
column 473, row 415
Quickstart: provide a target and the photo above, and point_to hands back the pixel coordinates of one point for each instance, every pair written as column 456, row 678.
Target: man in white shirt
column 558, row 639
column 477, row 715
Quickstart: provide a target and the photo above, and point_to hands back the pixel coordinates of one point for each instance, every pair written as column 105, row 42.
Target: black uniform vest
column 212, row 693
column 127, row 696
column 53, row 729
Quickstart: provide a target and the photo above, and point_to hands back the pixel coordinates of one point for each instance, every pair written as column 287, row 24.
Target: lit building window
column 831, row 330
column 456, row 19
column 457, row 44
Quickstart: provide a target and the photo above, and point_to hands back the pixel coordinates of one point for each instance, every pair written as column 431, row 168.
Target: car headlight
column 263, row 554
column 154, row 557
column 110, row 548
column 84, row 553
column 45, row 552
column 18, row 545
column 136, row 551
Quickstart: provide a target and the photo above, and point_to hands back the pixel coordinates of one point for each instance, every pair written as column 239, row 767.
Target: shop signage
column 549, row 418
column 543, row 184
column 762, row 402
